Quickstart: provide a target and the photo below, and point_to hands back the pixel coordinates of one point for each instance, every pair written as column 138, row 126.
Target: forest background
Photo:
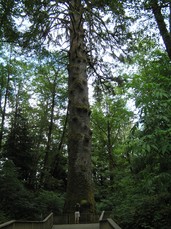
column 130, row 153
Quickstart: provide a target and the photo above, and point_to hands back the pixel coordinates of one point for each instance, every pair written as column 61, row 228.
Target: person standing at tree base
column 77, row 213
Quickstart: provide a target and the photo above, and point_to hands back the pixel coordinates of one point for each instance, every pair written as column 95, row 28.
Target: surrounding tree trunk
column 6, row 95
column 48, row 157
column 80, row 185
column 109, row 149
column 3, row 109
column 166, row 36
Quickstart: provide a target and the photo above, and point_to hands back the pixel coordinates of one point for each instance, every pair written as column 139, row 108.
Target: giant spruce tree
column 86, row 30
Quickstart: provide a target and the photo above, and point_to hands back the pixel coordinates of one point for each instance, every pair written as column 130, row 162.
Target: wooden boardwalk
column 77, row 226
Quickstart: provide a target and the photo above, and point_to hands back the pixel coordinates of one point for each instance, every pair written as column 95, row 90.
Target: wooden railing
column 107, row 223
column 47, row 223
column 70, row 219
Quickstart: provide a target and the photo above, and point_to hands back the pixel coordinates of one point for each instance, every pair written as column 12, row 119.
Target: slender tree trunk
column 61, row 142
column 166, row 36
column 4, row 110
column 48, row 157
column 170, row 17
column 5, row 102
column 109, row 149
column 79, row 187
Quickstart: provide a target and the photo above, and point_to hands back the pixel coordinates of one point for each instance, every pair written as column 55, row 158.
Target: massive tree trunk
column 79, row 187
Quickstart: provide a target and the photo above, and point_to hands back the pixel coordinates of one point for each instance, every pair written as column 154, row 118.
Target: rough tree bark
column 79, row 187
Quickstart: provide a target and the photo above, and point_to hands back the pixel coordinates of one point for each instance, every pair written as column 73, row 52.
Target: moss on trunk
column 80, row 185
